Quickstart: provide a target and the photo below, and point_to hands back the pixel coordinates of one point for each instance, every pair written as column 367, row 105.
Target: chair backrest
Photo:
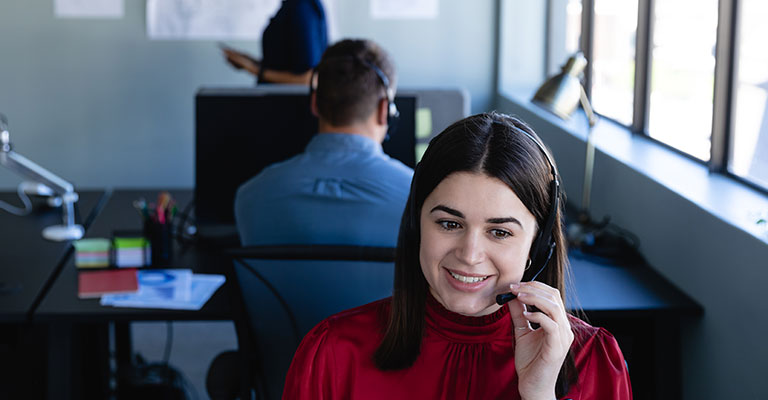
column 305, row 284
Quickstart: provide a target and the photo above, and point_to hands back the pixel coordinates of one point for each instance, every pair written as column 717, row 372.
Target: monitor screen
column 238, row 132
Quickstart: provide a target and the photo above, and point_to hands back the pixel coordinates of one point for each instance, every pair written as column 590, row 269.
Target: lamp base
column 603, row 241
column 61, row 233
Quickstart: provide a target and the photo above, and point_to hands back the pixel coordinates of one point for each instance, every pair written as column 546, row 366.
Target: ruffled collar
column 462, row 328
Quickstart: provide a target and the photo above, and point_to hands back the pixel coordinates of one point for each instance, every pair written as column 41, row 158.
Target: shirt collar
column 343, row 142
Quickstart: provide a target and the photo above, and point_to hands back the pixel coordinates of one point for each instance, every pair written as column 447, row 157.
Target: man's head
column 349, row 90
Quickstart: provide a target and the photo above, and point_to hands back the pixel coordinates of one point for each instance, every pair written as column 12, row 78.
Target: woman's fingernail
column 514, row 285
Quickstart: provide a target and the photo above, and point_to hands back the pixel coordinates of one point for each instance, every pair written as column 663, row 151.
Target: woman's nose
column 470, row 250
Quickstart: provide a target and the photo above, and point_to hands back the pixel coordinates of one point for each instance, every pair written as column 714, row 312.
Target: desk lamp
column 560, row 95
column 29, row 170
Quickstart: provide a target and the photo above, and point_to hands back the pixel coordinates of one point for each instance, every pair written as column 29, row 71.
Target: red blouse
column 461, row 358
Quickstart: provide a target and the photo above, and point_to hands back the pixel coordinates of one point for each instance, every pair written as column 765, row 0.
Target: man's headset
column 544, row 245
column 393, row 114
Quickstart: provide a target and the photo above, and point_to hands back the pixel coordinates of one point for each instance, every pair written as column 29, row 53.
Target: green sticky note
column 132, row 242
column 92, row 245
column 423, row 123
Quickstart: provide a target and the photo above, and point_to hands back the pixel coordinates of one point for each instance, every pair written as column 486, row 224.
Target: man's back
column 342, row 190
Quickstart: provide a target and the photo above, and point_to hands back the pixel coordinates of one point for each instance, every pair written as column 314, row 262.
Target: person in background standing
column 292, row 44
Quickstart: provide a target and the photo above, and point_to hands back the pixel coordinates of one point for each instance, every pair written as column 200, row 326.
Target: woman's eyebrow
column 449, row 210
column 504, row 220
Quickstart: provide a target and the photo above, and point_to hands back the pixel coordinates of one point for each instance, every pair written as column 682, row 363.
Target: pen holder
column 160, row 237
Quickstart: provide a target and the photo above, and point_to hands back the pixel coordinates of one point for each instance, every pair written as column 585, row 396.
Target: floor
column 194, row 345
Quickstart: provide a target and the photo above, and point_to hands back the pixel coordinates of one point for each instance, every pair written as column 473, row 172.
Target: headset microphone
column 544, row 245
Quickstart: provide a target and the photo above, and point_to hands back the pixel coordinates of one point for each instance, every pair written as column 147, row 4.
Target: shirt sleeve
column 604, row 372
column 312, row 369
column 309, row 36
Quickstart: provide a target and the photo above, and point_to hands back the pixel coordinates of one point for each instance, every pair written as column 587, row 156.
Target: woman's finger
column 520, row 324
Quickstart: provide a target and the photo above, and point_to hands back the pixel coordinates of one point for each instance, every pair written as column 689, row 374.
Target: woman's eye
column 500, row 234
column 449, row 225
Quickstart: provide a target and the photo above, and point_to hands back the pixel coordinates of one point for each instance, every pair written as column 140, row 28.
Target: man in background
column 342, row 189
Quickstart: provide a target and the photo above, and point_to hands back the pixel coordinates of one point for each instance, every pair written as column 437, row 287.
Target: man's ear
column 382, row 113
column 313, row 104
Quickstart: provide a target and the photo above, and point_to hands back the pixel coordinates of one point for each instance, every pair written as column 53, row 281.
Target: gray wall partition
column 98, row 103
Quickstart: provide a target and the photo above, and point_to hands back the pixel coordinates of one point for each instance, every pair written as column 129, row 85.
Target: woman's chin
column 476, row 308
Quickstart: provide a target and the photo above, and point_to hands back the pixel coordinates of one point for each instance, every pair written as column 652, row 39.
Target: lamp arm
column 30, row 170
column 589, row 163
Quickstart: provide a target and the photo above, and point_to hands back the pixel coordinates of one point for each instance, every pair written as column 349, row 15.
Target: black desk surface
column 610, row 290
column 27, row 261
column 119, row 214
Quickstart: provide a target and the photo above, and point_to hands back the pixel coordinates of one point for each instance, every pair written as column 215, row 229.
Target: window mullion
column 725, row 63
column 642, row 88
column 587, row 40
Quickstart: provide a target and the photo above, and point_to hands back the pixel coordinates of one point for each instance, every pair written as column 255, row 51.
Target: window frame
column 726, row 58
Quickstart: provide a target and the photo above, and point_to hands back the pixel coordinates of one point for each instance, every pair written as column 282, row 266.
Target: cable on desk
column 17, row 210
column 280, row 299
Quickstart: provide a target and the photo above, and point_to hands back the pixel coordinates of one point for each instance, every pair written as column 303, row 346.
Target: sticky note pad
column 92, row 253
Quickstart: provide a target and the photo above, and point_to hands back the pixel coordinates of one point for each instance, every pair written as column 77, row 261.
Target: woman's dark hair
column 495, row 145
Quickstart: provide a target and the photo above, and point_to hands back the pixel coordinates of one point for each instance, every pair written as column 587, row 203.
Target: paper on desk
column 202, row 288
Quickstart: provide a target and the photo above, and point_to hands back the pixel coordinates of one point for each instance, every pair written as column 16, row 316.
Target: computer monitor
column 239, row 131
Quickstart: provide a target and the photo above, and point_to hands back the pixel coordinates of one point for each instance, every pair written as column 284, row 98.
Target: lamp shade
column 561, row 93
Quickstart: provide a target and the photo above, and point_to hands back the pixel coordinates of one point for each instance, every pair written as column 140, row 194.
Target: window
column 679, row 72
column 683, row 74
column 749, row 147
column 613, row 58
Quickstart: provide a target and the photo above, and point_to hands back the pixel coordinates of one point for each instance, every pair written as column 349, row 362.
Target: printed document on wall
column 88, row 8
column 209, row 19
column 404, row 9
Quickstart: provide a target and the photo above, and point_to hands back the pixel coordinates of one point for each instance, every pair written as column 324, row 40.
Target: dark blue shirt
column 296, row 37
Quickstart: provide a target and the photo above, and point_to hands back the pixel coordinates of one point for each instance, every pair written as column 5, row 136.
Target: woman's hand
column 241, row 60
column 539, row 353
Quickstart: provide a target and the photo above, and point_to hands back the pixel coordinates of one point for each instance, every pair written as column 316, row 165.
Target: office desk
column 62, row 303
column 29, row 263
column 644, row 312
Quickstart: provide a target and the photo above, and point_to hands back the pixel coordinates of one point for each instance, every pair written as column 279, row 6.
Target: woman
column 482, row 194
column 292, row 44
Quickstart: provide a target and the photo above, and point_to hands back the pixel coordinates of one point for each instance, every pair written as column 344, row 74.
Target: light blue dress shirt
column 343, row 189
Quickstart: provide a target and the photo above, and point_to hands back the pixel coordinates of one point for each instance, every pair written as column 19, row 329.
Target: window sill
column 724, row 198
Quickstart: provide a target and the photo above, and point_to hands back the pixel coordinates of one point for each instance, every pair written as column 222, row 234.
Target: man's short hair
column 348, row 89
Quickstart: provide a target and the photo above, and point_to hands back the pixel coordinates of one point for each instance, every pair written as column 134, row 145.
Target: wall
column 98, row 103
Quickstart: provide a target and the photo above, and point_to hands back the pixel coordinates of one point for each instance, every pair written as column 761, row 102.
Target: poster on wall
column 88, row 8
column 209, row 19
column 217, row 19
column 404, row 9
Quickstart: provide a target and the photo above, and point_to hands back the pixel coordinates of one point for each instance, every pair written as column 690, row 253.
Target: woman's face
column 475, row 239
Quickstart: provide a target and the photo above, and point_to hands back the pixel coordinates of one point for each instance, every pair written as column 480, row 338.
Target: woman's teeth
column 467, row 279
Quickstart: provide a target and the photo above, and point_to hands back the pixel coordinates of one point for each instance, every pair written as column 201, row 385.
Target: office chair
column 286, row 291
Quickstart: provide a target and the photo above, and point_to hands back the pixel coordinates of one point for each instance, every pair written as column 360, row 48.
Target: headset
column 544, row 245
column 393, row 114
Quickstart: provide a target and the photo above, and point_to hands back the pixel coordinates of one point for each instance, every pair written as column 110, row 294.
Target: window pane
column 683, row 74
column 613, row 63
column 573, row 26
column 749, row 147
